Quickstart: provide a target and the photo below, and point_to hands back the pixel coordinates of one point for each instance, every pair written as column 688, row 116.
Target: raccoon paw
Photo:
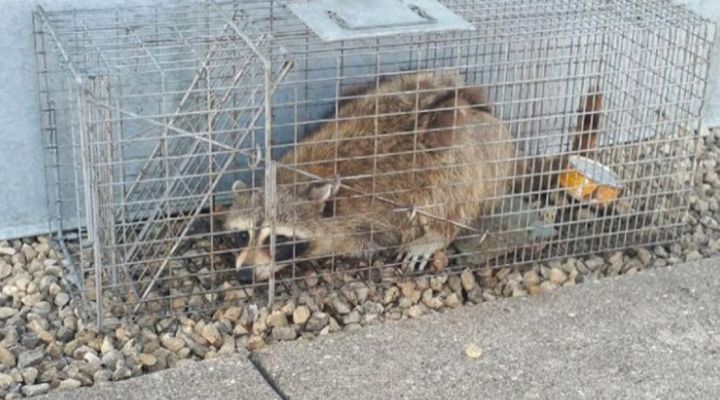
column 415, row 256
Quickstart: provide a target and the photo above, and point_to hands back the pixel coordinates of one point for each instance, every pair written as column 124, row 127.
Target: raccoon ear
column 322, row 192
column 239, row 192
column 237, row 186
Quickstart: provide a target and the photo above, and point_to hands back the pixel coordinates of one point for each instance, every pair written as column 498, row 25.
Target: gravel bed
column 45, row 346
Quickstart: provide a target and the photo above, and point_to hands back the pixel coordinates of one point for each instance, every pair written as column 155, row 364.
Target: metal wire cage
column 150, row 114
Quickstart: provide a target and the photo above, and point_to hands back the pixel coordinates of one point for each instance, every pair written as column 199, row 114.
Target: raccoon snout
column 240, row 260
column 245, row 275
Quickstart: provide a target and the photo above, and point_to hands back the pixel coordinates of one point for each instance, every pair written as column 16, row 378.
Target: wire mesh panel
column 200, row 154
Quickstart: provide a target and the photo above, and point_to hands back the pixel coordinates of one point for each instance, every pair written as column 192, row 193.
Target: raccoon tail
column 542, row 172
column 586, row 140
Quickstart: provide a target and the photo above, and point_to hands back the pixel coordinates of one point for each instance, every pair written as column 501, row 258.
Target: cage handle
column 420, row 12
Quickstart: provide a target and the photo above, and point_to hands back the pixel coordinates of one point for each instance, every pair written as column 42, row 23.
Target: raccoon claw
column 415, row 257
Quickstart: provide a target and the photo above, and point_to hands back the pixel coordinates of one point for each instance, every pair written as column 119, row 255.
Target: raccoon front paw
column 415, row 256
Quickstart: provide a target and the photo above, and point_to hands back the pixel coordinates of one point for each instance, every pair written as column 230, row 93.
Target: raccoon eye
column 288, row 247
column 278, row 239
column 243, row 237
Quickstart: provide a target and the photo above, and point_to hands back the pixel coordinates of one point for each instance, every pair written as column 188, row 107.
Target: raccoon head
column 300, row 221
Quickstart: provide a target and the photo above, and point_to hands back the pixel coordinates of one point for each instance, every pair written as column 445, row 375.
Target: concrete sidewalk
column 229, row 378
column 648, row 336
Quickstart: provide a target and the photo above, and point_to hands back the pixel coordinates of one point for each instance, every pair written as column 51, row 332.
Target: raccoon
column 423, row 141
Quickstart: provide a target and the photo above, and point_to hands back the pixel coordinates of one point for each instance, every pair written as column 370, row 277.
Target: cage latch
column 422, row 18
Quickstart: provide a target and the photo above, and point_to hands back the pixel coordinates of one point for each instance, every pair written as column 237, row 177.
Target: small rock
column 548, row 286
column 211, row 334
column 5, row 381
column 7, row 358
column 467, row 278
column 301, row 315
column 107, row 345
column 147, row 360
column 473, row 351
column 693, row 256
column 311, row 278
column 255, row 343
column 362, row 293
column 440, row 261
column 111, row 358
column 644, row 255
column 69, row 384
column 391, row 295
column 405, row 303
column 437, row 283
column 407, row 288
column 19, row 258
column 7, row 312
column 431, row 302
column 121, row 373
column 531, row 278
column 502, row 274
column 32, row 299
column 616, row 258
column 533, row 290
column 353, row 317
column 661, row 252
column 111, row 323
column 35, row 390
column 239, row 330
column 172, row 343
column 416, row 311
column 102, row 375
column 61, row 299
column 594, row 263
column 347, row 293
column 333, row 326
column 30, row 357
column 42, row 308
column 49, row 375
column 8, row 251
column 260, row 325
column 30, row 375
column 65, row 334
column 5, row 270
column 614, row 269
column 288, row 308
column 455, row 284
column 701, row 206
column 477, row 295
column 557, row 276
column 585, row 214
column 284, row 333
column 228, row 346
column 340, row 306
column 276, row 319
column 233, row 313
column 452, row 300
column 317, row 321
column 371, row 307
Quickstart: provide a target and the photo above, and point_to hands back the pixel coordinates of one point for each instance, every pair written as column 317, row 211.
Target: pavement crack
column 266, row 375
